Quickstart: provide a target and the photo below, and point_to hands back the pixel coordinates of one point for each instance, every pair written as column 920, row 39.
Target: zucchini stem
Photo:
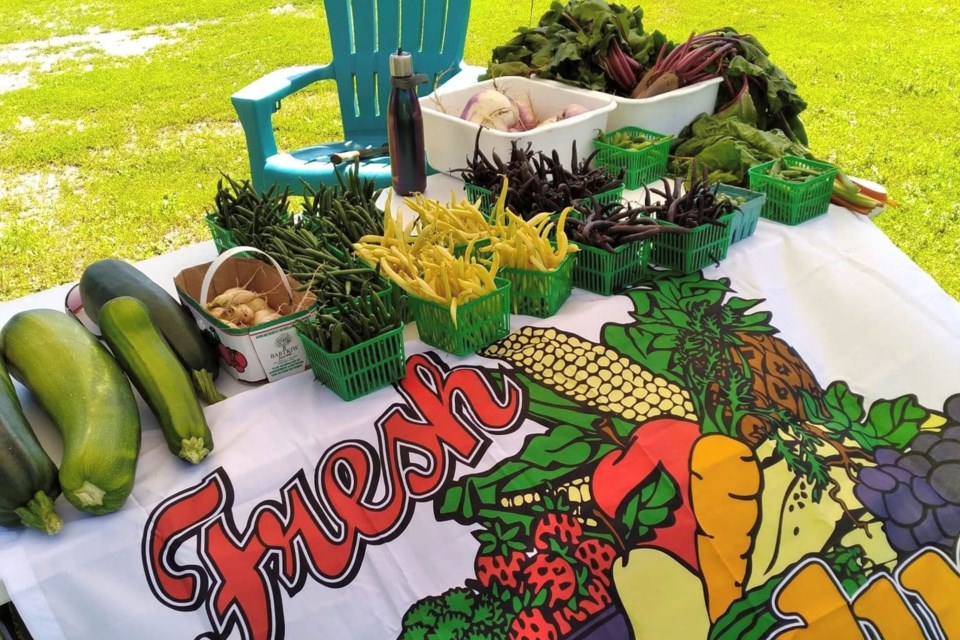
column 40, row 514
column 193, row 450
column 203, row 383
column 89, row 494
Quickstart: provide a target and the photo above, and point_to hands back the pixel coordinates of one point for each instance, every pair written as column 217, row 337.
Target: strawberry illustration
column 501, row 556
column 504, row 570
column 550, row 571
column 598, row 597
column 597, row 556
column 531, row 624
column 593, row 597
column 559, row 527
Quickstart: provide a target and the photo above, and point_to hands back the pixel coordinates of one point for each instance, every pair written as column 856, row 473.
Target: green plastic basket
column 642, row 166
column 360, row 369
column 488, row 199
column 794, row 202
column 540, row 293
column 460, row 249
column 607, row 273
column 479, row 323
column 222, row 238
column 689, row 252
column 485, row 196
column 747, row 214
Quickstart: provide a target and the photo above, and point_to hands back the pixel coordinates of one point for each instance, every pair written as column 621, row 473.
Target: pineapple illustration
column 779, row 375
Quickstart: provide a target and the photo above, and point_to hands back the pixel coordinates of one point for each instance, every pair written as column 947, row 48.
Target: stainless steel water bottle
column 408, row 165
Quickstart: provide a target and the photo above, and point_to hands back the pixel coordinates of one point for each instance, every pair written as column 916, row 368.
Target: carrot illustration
column 725, row 487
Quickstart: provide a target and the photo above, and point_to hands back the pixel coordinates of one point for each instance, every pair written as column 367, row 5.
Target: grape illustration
column 916, row 493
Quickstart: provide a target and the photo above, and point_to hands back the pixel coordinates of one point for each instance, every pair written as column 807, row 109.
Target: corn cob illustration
column 592, row 374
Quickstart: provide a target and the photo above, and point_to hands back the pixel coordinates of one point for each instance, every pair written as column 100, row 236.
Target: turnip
column 258, row 304
column 573, row 109
column 234, row 295
column 491, row 108
column 265, row 315
column 528, row 119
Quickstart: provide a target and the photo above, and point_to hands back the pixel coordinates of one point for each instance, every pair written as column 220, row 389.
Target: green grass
column 119, row 157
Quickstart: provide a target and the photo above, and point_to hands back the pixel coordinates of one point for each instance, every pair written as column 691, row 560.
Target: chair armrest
column 258, row 101
column 279, row 84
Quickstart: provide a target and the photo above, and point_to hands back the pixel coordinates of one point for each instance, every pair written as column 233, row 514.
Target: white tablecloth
column 840, row 293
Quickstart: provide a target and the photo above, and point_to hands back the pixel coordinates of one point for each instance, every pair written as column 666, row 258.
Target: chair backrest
column 363, row 34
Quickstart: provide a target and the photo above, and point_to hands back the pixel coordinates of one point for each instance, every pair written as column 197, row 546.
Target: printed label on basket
column 280, row 351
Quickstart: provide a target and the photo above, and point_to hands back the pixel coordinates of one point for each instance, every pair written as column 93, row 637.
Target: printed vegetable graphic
column 650, row 582
column 725, row 493
column 500, row 557
column 694, row 452
column 592, row 374
column 916, row 493
column 661, row 444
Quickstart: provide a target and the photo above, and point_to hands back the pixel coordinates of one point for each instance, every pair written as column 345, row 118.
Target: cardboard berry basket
column 265, row 352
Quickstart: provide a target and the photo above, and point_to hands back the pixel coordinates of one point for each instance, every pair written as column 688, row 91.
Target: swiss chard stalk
column 586, row 43
column 699, row 58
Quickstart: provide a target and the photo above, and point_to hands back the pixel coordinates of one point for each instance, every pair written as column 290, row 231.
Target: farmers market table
column 767, row 441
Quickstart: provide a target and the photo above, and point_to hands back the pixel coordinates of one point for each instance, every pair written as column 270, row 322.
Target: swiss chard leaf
column 774, row 94
column 730, row 143
column 570, row 43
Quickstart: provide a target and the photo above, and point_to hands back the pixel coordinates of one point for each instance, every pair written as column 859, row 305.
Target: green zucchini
column 83, row 389
column 28, row 477
column 153, row 368
column 108, row 279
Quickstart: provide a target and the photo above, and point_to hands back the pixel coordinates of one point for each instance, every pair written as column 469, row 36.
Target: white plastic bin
column 449, row 140
column 667, row 113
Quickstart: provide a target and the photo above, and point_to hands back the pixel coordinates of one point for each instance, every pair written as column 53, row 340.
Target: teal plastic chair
column 363, row 34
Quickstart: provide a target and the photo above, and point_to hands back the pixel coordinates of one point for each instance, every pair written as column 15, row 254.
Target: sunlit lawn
column 108, row 155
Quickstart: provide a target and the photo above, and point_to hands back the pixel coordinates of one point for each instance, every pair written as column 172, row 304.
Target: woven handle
column 208, row 276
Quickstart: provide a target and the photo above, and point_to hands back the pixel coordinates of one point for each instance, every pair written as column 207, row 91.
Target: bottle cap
column 401, row 64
